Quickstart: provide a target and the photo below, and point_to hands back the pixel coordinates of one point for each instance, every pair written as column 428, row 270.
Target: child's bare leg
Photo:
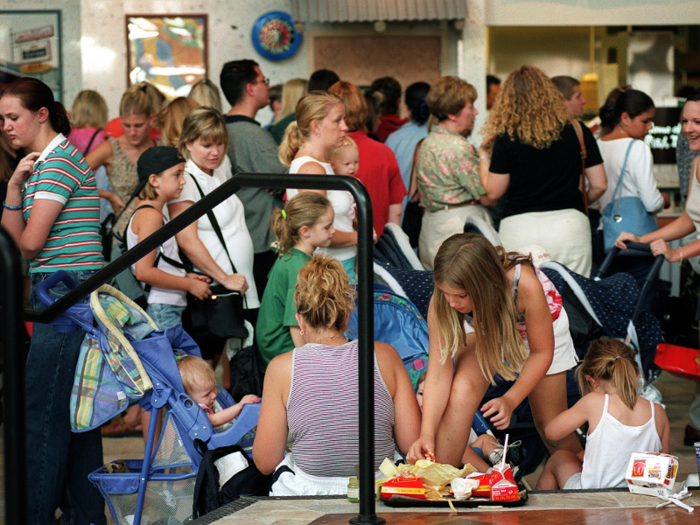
column 467, row 390
column 548, row 400
column 486, row 443
column 472, row 457
column 560, row 467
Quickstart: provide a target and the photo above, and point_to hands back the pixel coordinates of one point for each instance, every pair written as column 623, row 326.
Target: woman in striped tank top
column 311, row 394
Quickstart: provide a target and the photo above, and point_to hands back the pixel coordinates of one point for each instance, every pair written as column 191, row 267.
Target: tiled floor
column 677, row 394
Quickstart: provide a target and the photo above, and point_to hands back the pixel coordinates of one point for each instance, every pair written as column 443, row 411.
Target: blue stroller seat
column 127, row 349
column 399, row 323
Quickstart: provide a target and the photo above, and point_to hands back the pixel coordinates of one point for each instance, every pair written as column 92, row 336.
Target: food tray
column 398, row 500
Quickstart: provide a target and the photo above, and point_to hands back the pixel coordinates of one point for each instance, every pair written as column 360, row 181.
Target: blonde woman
column 310, row 396
column 292, row 91
column 88, row 121
column 447, row 167
column 492, row 313
column 120, row 155
column 206, row 93
column 307, row 146
column 532, row 154
column 203, row 144
column 169, row 119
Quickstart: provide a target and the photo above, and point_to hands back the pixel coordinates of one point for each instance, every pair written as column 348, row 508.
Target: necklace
column 340, row 337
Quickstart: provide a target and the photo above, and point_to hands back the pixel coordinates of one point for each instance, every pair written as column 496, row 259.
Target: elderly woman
column 532, row 154
column 311, row 394
column 447, row 168
column 203, row 144
column 378, row 169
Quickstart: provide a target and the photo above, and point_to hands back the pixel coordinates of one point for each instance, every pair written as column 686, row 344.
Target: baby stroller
column 125, row 357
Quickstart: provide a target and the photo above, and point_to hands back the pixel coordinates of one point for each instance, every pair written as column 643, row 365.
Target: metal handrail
column 365, row 294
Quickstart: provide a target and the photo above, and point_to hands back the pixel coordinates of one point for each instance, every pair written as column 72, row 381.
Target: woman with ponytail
column 619, row 422
column 52, row 212
column 306, row 148
column 306, row 223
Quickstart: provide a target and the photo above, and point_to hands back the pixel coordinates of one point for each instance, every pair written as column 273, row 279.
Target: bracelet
column 10, row 207
column 680, row 250
column 485, row 157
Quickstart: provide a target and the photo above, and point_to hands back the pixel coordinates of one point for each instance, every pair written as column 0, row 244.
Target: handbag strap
column 579, row 134
column 87, row 150
column 618, row 189
column 217, row 229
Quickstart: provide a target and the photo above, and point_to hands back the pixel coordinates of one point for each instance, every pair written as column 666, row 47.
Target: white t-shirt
column 231, row 218
column 343, row 206
column 639, row 178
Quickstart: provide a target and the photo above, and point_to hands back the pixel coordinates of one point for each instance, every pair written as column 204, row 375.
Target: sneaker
column 514, row 455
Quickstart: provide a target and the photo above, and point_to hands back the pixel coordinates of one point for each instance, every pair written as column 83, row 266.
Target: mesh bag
column 171, row 451
column 168, row 495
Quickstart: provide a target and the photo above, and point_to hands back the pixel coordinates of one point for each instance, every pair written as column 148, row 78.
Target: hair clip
column 284, row 215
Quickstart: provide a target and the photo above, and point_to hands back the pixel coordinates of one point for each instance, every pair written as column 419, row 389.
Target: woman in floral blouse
column 447, row 167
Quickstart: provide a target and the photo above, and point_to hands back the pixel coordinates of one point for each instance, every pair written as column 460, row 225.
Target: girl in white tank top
column 619, row 423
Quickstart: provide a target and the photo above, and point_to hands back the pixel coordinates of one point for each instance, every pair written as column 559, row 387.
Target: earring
column 302, row 331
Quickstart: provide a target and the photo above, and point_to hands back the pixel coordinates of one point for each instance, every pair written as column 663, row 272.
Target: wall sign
column 274, row 36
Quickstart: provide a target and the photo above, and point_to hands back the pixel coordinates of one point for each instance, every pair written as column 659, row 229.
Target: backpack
column 248, row 482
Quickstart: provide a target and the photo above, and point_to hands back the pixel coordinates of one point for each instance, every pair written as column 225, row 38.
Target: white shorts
column 573, row 483
column 299, row 483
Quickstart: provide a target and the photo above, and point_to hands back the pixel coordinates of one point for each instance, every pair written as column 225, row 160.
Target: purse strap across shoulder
column 584, row 154
column 618, row 189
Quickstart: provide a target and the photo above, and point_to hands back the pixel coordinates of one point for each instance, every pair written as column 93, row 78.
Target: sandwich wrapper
column 651, row 473
column 425, row 479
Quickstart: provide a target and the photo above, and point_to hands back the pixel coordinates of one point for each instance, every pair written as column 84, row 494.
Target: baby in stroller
column 200, row 384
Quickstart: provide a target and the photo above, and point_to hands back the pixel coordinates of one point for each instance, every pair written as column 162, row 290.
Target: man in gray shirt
column 252, row 150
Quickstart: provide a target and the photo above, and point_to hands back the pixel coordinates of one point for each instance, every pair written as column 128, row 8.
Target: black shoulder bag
column 221, row 314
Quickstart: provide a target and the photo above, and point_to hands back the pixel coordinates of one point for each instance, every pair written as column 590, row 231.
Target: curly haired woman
column 532, row 154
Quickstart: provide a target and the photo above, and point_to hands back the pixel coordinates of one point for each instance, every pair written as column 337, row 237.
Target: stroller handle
column 77, row 315
column 613, row 253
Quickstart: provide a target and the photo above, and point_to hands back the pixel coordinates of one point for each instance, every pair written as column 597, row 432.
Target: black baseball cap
column 155, row 160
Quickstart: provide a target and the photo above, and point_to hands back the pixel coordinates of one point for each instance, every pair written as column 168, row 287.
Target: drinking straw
column 505, row 452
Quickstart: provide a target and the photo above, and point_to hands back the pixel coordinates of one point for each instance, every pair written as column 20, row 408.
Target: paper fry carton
column 651, row 473
column 411, row 487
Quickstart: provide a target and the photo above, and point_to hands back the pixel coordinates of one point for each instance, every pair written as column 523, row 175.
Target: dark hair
column 391, row 89
column 566, row 85
column 35, row 95
column 685, row 91
column 492, row 80
column 275, row 94
column 322, row 79
column 694, row 96
column 235, row 76
column 622, row 100
column 415, row 101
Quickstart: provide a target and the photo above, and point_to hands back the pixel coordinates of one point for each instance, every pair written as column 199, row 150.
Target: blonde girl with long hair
column 307, row 148
column 120, row 155
column 306, row 223
column 492, row 313
column 620, row 422
column 532, row 154
column 169, row 120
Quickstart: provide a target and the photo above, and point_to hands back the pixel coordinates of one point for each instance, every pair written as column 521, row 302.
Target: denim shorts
column 165, row 315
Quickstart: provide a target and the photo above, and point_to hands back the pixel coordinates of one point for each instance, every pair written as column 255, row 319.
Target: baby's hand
column 250, row 398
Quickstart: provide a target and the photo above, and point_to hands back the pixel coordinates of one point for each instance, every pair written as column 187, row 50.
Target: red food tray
column 679, row 361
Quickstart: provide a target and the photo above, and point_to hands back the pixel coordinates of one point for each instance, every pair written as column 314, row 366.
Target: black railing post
column 13, row 359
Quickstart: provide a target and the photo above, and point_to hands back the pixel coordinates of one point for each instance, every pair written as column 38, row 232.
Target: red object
column 503, row 487
column 679, row 361
column 114, row 129
column 409, row 486
column 29, row 327
column 484, row 488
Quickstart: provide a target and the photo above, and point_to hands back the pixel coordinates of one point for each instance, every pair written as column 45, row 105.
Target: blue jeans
column 58, row 461
column 165, row 315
